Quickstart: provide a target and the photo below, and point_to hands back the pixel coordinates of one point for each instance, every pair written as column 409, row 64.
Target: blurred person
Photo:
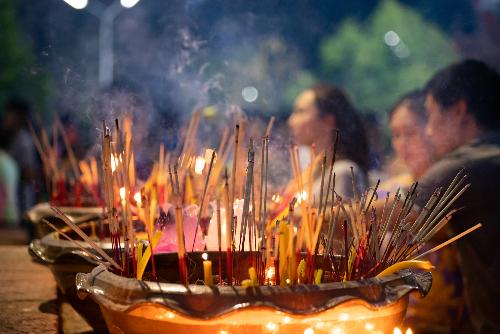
column 412, row 147
column 19, row 145
column 441, row 310
column 9, row 178
column 318, row 112
column 463, row 107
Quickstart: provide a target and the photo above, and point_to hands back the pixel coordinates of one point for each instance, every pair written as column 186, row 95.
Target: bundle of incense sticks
column 66, row 187
column 372, row 241
column 128, row 207
column 299, row 245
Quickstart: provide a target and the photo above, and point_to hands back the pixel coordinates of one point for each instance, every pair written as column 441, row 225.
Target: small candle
column 283, row 245
column 318, row 274
column 207, row 270
column 253, row 276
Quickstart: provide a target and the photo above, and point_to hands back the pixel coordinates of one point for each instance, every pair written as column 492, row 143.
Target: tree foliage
column 395, row 50
column 19, row 75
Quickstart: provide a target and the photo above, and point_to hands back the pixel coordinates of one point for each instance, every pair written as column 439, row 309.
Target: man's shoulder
column 480, row 162
column 475, row 159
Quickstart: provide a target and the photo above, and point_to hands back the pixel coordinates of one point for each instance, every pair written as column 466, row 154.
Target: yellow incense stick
column 446, row 243
column 141, row 266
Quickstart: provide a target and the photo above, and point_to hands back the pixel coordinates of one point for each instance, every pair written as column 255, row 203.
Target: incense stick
column 200, row 210
column 82, row 234
column 446, row 243
column 69, row 149
column 330, row 175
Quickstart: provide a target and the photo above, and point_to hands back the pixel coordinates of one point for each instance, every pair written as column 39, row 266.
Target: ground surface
column 29, row 301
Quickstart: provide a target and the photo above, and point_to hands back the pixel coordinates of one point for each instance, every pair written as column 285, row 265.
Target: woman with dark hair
column 318, row 112
column 407, row 120
column 412, row 147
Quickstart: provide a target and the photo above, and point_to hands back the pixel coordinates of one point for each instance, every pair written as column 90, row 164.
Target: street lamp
column 106, row 16
column 128, row 3
column 77, row 4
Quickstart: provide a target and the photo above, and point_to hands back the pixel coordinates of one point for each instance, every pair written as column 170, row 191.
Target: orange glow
column 369, row 326
column 351, row 317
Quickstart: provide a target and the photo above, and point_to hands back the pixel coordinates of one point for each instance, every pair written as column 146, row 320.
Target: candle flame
column 270, row 275
column 122, row 193
column 397, row 330
column 113, row 163
column 301, row 196
column 208, row 155
column 199, row 165
column 137, row 198
column 115, row 160
column 276, row 198
column 409, row 331
column 204, row 256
